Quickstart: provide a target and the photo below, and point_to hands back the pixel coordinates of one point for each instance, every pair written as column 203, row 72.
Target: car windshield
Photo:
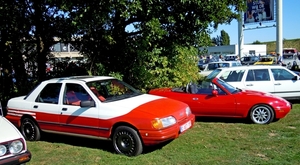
column 208, row 84
column 213, row 74
column 113, row 89
column 227, row 86
column 1, row 112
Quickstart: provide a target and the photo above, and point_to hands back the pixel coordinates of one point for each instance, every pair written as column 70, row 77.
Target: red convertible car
column 216, row 98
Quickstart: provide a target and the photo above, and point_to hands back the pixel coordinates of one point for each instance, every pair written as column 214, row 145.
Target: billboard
column 259, row 11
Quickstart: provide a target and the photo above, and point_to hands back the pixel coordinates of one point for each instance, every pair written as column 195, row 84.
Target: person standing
column 279, row 59
column 220, row 58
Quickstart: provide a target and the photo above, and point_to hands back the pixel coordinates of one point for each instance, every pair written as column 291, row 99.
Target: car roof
column 79, row 78
column 223, row 62
column 252, row 67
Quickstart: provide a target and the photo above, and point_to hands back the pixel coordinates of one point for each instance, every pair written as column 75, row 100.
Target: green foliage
column 166, row 68
column 225, row 39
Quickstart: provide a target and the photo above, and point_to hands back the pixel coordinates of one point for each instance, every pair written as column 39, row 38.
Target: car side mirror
column 214, row 92
column 295, row 78
column 87, row 103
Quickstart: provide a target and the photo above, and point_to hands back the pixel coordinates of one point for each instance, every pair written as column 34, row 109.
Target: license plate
column 185, row 126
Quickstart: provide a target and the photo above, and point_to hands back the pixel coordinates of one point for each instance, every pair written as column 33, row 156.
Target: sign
column 259, row 11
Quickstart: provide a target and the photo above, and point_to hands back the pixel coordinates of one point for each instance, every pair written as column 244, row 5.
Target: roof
column 252, row 67
column 80, row 78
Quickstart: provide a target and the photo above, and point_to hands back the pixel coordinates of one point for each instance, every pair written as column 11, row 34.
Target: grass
column 291, row 43
column 210, row 141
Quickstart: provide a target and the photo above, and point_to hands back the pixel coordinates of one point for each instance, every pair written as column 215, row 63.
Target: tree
column 157, row 26
column 159, row 45
column 256, row 42
column 225, row 39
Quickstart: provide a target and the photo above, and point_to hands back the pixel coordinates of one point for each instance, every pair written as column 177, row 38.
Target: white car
column 13, row 147
column 99, row 107
column 274, row 79
column 214, row 65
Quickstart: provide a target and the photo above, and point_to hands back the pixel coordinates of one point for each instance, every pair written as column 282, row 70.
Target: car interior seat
column 193, row 88
column 95, row 91
column 71, row 98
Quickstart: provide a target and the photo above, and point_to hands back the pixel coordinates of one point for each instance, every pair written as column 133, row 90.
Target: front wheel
column 127, row 141
column 30, row 130
column 262, row 114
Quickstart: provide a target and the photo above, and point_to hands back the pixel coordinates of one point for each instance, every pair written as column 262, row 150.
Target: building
column 234, row 49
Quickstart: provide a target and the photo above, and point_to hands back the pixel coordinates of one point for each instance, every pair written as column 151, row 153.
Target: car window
column 232, row 75
column 74, row 94
column 258, row 75
column 49, row 94
column 282, row 74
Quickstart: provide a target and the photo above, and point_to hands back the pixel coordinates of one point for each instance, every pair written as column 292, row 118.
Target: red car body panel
column 235, row 105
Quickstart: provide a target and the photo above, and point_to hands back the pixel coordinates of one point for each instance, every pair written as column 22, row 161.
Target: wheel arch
column 29, row 116
column 116, row 125
column 257, row 104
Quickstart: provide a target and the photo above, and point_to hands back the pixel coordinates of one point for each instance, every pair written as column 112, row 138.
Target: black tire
column 261, row 114
column 30, row 130
column 126, row 141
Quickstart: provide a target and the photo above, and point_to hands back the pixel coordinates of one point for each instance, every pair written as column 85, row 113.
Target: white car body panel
column 289, row 89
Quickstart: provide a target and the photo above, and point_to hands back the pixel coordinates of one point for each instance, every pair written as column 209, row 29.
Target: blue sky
column 290, row 22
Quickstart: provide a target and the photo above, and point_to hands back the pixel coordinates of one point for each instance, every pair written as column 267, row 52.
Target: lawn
column 210, row 141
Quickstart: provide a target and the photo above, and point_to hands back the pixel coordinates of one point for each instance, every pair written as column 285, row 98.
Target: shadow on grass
column 105, row 145
column 223, row 120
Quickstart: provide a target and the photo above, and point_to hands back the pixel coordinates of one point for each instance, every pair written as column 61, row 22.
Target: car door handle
column 249, row 84
column 35, row 106
column 277, row 84
column 64, row 109
column 195, row 98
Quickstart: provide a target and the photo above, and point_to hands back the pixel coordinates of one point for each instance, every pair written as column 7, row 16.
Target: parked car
column 214, row 65
column 231, row 57
column 219, row 99
column 267, row 60
column 13, row 147
column 249, row 60
column 201, row 64
column 274, row 79
column 99, row 107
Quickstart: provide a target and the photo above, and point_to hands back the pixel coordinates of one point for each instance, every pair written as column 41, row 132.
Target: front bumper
column 17, row 159
column 152, row 137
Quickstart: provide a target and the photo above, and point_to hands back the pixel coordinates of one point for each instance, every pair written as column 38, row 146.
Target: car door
column 203, row 103
column 76, row 119
column 259, row 80
column 47, row 108
column 284, row 83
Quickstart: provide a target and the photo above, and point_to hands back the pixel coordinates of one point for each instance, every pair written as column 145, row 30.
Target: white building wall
column 233, row 49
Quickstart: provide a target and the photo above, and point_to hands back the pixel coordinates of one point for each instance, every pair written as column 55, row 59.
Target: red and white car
column 100, row 107
column 13, row 147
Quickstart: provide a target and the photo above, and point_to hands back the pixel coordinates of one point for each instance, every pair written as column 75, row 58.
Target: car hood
column 10, row 133
column 152, row 105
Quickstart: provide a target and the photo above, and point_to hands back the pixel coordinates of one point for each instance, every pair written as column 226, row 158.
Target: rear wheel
column 127, row 141
column 261, row 114
column 30, row 130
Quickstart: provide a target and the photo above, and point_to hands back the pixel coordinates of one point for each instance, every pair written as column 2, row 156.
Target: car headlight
column 2, row 150
column 163, row 122
column 15, row 147
column 188, row 111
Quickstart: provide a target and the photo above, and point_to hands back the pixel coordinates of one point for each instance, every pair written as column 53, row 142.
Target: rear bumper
column 152, row 137
column 17, row 159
